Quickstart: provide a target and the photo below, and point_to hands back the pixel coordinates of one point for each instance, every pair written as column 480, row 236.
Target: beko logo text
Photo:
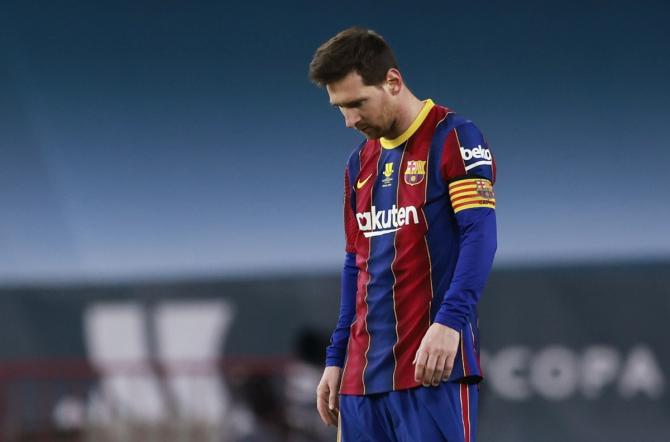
column 375, row 223
column 476, row 152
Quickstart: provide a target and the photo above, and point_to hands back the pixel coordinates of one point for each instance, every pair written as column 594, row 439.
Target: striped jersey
column 420, row 231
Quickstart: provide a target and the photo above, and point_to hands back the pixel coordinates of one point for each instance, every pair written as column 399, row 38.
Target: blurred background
column 171, row 192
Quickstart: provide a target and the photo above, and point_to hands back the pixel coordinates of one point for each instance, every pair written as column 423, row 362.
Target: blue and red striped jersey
column 420, row 229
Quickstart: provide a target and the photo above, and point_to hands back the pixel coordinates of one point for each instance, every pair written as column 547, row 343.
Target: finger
column 439, row 370
column 430, row 370
column 322, row 405
column 448, row 366
column 418, row 352
column 420, row 366
column 331, row 417
column 334, row 416
column 332, row 399
column 322, row 412
column 327, row 416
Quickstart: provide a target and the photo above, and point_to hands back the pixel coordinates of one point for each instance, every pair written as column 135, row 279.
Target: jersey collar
column 390, row 144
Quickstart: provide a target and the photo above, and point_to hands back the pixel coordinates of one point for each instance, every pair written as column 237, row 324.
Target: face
column 368, row 109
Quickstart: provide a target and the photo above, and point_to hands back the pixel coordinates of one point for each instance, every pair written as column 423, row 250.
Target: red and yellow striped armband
column 470, row 193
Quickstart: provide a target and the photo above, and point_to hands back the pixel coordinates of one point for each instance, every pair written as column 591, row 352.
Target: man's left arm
column 469, row 168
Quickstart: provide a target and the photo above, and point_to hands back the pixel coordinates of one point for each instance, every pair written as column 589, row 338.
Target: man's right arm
column 336, row 351
column 328, row 389
column 326, row 393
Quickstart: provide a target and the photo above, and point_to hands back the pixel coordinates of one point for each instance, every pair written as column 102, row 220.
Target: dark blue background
column 169, row 139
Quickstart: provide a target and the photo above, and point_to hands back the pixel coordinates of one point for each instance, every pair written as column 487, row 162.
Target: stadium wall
column 573, row 353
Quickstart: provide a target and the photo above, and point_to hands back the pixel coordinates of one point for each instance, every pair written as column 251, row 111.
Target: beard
column 383, row 124
column 371, row 132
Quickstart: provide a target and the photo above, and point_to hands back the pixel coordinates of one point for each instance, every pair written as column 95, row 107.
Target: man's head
column 361, row 76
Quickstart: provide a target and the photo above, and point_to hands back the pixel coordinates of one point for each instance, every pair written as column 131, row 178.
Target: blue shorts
column 447, row 413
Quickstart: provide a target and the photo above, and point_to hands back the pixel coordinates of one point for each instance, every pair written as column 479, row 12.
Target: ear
column 394, row 83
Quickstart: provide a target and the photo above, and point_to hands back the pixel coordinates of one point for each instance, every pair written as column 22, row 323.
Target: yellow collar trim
column 390, row 144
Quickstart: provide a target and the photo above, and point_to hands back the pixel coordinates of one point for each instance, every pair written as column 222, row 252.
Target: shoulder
column 356, row 153
column 465, row 150
column 453, row 125
column 451, row 120
column 354, row 160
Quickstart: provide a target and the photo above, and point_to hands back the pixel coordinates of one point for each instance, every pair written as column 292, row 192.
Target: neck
column 408, row 110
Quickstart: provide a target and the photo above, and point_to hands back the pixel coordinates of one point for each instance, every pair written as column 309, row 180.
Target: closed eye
column 350, row 104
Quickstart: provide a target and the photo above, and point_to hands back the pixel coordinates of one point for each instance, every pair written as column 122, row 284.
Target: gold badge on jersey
column 415, row 172
column 388, row 175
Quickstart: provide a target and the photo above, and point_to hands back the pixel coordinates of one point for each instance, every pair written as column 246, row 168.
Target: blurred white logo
column 557, row 373
column 122, row 338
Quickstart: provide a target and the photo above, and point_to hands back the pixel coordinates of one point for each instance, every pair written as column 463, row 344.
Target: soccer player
column 419, row 220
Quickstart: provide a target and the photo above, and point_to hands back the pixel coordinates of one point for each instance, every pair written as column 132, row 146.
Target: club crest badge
column 484, row 189
column 415, row 172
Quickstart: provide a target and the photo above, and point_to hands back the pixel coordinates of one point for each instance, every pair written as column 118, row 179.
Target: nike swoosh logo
column 360, row 183
column 379, row 232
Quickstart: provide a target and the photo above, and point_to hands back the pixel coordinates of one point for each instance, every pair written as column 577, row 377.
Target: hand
column 327, row 395
column 435, row 357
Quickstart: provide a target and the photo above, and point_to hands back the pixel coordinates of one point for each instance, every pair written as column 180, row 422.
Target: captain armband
column 470, row 193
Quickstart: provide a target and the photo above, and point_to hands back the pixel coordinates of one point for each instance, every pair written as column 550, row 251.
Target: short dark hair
column 354, row 49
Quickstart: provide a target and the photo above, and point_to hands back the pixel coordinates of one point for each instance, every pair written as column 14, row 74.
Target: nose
column 351, row 117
